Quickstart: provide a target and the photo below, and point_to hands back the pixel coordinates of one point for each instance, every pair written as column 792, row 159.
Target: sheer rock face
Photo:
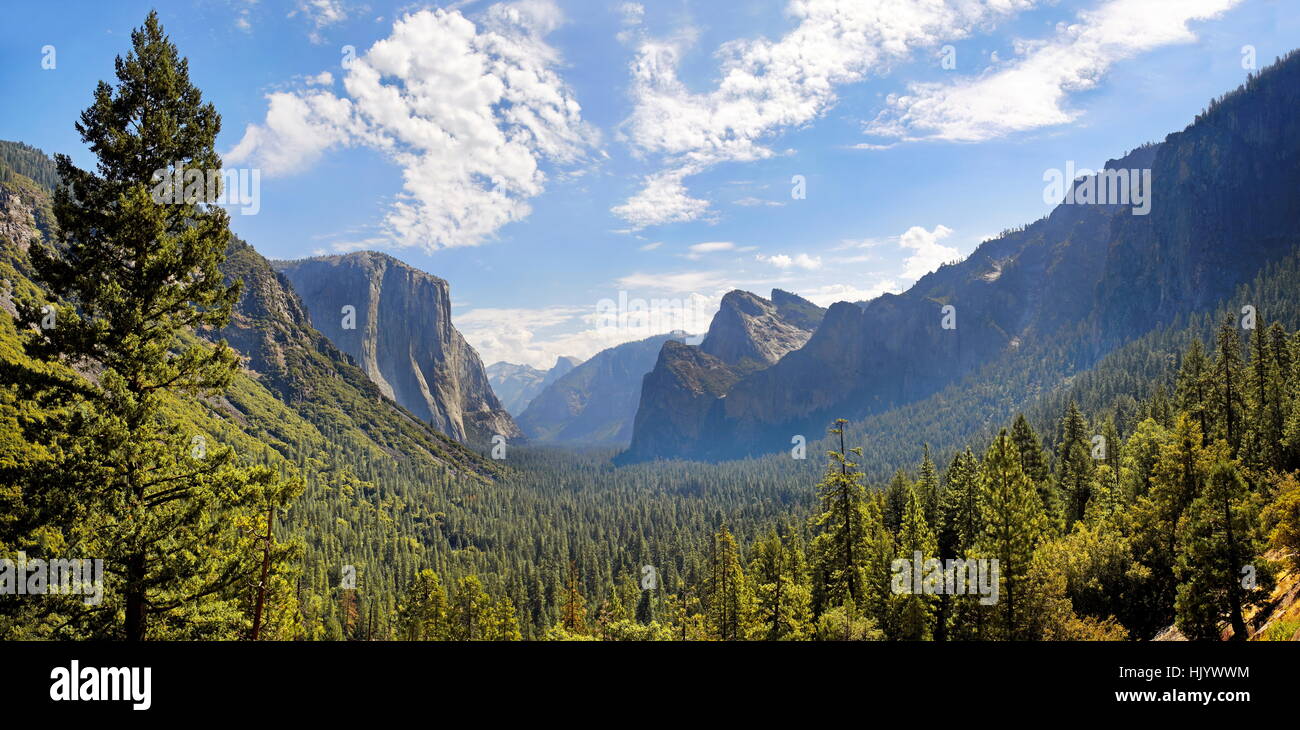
column 595, row 402
column 395, row 321
column 747, row 335
column 517, row 385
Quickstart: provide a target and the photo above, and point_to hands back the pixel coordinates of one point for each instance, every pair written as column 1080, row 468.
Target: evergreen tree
column 960, row 525
column 422, row 615
column 845, row 528
column 1229, row 385
column 138, row 277
column 1014, row 526
column 1192, row 393
column 727, row 601
column 915, row 610
column 927, row 488
column 782, row 601
column 1179, row 475
column 1034, row 463
column 574, row 614
column 1074, row 464
column 470, row 617
column 1218, row 568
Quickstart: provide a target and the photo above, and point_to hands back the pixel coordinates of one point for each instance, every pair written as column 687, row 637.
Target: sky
column 589, row 172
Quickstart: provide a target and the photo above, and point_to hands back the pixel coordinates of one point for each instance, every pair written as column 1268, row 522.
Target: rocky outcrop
column 748, row 334
column 395, row 321
column 753, row 332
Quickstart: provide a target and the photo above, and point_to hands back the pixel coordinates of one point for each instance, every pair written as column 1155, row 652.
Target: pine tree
column 845, row 529
column 1192, row 392
column 1179, row 474
column 782, row 601
column 916, row 546
column 726, row 594
column 423, row 613
column 1229, row 385
column 470, row 614
column 1218, row 568
column 961, row 523
column 138, row 277
column 896, row 500
column 927, row 487
column 503, row 622
column 1014, row 526
column 1034, row 463
column 1074, row 460
column 574, row 614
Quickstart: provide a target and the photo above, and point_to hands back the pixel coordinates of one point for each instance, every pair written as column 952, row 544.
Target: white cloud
column 783, row 261
column 769, row 86
column 651, row 246
column 698, row 250
column 324, row 78
column 824, row 296
column 469, row 112
column 321, row 14
column 1032, row 91
column 684, row 282
column 297, row 129
column 751, row 202
column 537, row 337
column 663, row 199
column 927, row 254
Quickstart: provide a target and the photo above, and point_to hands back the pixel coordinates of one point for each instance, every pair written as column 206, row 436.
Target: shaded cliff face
column 748, row 334
column 596, row 401
column 517, row 385
column 395, row 321
column 1074, row 285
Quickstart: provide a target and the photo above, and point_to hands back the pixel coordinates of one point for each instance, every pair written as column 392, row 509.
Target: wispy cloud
column 1033, row 90
column 769, row 86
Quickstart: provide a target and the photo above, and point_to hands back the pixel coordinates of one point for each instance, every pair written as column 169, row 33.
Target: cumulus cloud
column 783, row 261
column 469, row 112
column 768, row 86
column 1032, row 91
column 663, row 199
column 927, row 253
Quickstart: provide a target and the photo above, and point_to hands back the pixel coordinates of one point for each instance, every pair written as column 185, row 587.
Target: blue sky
column 545, row 156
